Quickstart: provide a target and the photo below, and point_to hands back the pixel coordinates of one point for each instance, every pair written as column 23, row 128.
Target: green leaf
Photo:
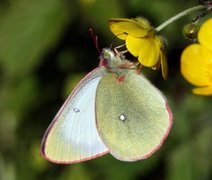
column 28, row 29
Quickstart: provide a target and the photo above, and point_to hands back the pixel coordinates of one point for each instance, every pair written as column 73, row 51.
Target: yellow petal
column 145, row 48
column 134, row 44
column 156, row 66
column 164, row 65
column 196, row 65
column 162, row 57
column 205, row 34
column 137, row 27
column 203, row 91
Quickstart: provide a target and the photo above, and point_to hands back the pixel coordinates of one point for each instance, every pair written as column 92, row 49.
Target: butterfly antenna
column 111, row 44
column 95, row 39
column 114, row 37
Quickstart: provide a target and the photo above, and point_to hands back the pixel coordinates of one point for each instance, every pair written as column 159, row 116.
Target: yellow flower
column 196, row 61
column 141, row 41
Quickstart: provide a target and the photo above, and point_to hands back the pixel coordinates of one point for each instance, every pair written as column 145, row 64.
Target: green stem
column 178, row 16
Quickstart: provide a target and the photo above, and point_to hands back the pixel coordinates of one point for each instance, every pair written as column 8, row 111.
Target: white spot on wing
column 122, row 117
column 76, row 110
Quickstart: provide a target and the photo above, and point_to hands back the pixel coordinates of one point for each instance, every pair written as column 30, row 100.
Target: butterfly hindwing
column 133, row 118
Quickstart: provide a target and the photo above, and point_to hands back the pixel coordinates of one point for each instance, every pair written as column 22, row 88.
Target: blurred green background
column 45, row 49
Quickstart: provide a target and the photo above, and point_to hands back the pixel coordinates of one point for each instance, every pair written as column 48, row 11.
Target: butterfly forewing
column 72, row 136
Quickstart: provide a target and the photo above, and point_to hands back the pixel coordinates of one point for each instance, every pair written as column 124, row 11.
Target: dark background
column 46, row 48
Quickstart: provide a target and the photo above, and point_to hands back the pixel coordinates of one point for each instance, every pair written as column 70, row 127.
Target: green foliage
column 45, row 48
column 31, row 28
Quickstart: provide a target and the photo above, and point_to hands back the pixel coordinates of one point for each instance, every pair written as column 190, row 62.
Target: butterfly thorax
column 116, row 63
